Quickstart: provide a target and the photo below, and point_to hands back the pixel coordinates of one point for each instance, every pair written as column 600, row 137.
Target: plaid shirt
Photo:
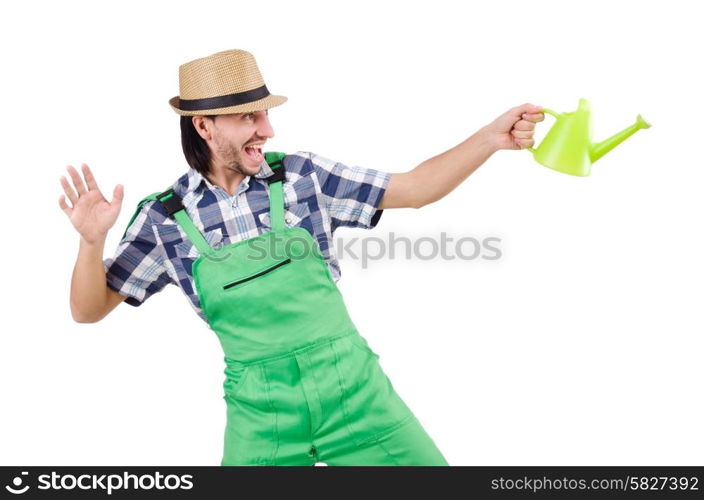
column 320, row 195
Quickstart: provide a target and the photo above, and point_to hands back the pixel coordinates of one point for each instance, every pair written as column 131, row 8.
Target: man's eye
column 249, row 115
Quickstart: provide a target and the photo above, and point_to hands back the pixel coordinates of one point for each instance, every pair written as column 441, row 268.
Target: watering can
column 568, row 147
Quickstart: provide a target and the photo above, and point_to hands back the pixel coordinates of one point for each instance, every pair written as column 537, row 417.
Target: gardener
column 247, row 237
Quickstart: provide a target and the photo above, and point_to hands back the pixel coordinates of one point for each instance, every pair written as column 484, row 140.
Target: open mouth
column 255, row 153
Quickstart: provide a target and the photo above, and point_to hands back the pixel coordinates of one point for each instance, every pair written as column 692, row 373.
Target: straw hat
column 222, row 83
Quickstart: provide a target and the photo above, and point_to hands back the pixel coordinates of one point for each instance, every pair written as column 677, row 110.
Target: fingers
column 90, row 180
column 522, row 134
column 528, row 113
column 523, row 129
column 524, row 143
column 117, row 194
column 524, row 125
column 77, row 181
column 533, row 117
column 70, row 193
column 527, row 108
column 62, row 203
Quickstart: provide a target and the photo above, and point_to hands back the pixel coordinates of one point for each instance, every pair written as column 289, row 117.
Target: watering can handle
column 550, row 112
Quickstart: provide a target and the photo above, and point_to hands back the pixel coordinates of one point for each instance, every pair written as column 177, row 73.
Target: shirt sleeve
column 137, row 269
column 351, row 194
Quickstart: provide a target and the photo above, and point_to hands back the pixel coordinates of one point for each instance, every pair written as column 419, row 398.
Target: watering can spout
column 600, row 149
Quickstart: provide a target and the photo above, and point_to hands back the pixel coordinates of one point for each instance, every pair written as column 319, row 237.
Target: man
column 302, row 385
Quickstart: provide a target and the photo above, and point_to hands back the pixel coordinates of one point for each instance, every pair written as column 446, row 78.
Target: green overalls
column 302, row 385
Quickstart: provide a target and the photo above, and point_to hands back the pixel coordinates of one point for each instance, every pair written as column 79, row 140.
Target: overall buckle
column 170, row 201
column 278, row 175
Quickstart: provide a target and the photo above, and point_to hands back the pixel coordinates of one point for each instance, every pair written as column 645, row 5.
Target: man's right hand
column 91, row 214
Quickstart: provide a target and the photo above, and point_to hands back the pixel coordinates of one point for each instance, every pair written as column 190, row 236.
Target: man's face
column 234, row 140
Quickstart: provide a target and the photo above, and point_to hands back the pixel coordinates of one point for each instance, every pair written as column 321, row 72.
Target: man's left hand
column 514, row 129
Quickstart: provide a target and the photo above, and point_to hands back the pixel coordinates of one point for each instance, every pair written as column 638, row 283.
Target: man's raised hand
column 90, row 213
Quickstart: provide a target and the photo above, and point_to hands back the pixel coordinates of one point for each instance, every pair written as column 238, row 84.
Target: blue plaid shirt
column 320, row 195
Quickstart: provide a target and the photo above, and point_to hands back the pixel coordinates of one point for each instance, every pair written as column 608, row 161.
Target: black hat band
column 224, row 101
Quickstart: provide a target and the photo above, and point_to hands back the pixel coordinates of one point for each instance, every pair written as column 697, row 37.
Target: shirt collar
column 195, row 179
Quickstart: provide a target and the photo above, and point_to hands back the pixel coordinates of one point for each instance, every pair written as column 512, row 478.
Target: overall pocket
column 235, row 377
column 256, row 275
column 251, row 430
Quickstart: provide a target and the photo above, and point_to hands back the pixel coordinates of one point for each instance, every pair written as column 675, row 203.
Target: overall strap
column 276, row 196
column 175, row 209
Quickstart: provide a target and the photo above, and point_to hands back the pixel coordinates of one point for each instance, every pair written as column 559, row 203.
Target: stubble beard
column 232, row 159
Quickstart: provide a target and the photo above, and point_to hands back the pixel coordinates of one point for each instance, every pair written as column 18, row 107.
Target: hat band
column 224, row 101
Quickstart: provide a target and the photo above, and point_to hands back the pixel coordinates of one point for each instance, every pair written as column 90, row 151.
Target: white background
column 581, row 345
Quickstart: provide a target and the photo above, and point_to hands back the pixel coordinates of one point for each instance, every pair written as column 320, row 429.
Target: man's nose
column 264, row 128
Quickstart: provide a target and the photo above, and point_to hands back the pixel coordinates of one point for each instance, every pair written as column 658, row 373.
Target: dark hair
column 195, row 148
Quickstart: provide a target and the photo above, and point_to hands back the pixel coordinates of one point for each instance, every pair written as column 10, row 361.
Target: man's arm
column 91, row 298
column 436, row 177
column 92, row 216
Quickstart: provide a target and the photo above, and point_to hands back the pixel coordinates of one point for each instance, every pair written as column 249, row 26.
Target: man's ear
column 204, row 127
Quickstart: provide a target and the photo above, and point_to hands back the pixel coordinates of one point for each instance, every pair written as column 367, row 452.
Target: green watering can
column 568, row 147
